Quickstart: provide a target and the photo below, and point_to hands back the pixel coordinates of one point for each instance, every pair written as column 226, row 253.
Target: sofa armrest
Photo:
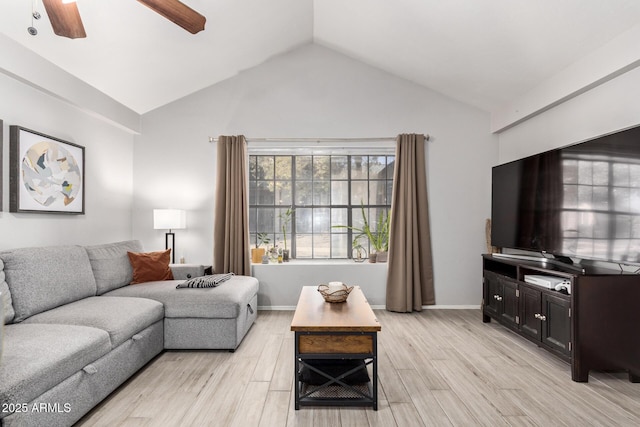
column 187, row 271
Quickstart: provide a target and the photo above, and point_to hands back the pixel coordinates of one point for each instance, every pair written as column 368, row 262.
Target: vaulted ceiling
column 484, row 53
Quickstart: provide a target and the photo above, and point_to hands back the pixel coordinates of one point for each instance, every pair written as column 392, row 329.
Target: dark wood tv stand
column 594, row 327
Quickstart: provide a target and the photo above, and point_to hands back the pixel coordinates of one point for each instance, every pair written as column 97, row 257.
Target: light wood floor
column 436, row 368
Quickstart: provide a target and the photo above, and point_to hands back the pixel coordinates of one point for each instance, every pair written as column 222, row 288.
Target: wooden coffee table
column 335, row 343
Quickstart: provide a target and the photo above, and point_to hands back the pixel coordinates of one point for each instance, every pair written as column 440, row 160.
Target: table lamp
column 170, row 219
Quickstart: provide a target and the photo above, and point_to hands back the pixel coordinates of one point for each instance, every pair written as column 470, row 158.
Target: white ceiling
column 484, row 53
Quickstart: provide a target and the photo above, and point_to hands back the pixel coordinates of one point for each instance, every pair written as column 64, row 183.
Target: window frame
column 388, row 153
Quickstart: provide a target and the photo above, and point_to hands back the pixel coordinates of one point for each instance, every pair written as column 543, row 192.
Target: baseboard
column 451, row 307
column 378, row 307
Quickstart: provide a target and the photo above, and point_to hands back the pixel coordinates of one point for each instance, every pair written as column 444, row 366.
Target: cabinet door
column 530, row 312
column 493, row 292
column 556, row 325
column 509, row 301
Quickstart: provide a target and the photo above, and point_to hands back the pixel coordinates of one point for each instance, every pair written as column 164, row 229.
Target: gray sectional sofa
column 75, row 329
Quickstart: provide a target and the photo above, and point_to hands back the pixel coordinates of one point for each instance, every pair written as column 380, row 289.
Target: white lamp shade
column 169, row 219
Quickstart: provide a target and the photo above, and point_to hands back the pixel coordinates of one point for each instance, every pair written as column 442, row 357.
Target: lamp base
column 173, row 245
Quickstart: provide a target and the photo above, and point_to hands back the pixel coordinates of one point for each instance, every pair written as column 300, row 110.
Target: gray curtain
column 231, row 228
column 410, row 274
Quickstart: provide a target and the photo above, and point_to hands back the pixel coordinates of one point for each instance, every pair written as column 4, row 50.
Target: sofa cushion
column 120, row 317
column 223, row 301
column 110, row 264
column 150, row 266
column 5, row 298
column 47, row 277
column 37, row 357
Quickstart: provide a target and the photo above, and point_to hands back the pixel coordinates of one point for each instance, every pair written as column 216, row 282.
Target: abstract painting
column 46, row 173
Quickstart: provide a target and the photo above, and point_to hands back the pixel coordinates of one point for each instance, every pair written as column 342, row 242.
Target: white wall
column 108, row 171
column 607, row 108
column 280, row 284
column 25, row 65
column 609, row 61
column 315, row 92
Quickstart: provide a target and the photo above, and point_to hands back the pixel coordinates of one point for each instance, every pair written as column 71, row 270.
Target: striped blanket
column 210, row 281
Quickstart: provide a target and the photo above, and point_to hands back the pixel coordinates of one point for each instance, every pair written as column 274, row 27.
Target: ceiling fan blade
column 65, row 19
column 179, row 13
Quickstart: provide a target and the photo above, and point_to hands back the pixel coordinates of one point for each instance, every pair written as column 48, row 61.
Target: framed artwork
column 46, row 174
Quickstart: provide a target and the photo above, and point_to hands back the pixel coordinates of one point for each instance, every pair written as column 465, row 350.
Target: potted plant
column 378, row 238
column 358, row 253
column 258, row 252
column 285, row 219
column 272, row 254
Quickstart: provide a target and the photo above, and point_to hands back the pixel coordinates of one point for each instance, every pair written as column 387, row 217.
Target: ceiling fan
column 66, row 22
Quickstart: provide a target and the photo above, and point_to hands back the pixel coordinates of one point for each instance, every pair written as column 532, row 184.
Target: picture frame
column 46, row 174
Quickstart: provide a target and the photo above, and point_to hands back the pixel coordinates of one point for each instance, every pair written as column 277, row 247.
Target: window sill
column 318, row 262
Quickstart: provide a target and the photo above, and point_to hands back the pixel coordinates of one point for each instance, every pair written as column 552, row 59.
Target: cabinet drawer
column 328, row 344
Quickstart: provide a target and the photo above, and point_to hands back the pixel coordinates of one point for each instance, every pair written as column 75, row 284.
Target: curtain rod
column 377, row 138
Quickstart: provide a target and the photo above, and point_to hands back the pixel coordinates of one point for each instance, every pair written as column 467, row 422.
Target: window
column 324, row 191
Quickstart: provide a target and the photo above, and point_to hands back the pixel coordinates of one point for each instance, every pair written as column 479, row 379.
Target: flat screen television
column 581, row 201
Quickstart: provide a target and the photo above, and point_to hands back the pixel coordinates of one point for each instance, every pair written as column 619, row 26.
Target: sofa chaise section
column 212, row 318
column 209, row 318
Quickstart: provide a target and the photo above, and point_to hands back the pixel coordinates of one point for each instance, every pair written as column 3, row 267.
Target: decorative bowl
column 339, row 295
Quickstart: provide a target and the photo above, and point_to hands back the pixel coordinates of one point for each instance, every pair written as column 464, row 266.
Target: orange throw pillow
column 150, row 266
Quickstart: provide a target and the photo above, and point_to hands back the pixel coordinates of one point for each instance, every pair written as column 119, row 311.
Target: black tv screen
column 581, row 201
